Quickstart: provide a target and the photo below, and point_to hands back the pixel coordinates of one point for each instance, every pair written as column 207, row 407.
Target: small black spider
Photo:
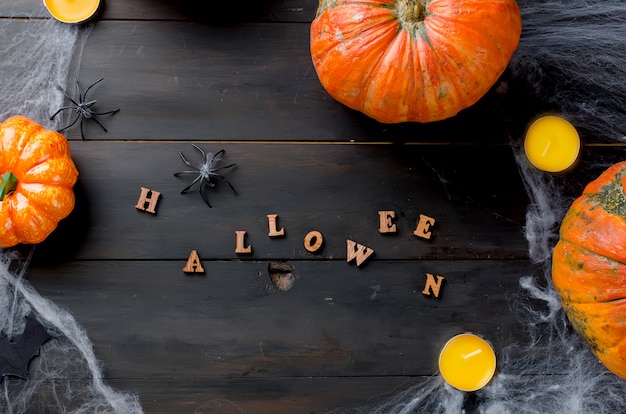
column 82, row 108
column 205, row 172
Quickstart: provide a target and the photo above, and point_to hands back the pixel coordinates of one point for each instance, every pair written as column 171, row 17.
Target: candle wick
column 472, row 354
column 545, row 150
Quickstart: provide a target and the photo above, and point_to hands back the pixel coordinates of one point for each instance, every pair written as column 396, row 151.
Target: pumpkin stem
column 7, row 185
column 411, row 12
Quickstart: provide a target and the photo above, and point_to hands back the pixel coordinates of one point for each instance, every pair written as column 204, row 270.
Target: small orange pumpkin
column 589, row 267
column 37, row 177
column 412, row 60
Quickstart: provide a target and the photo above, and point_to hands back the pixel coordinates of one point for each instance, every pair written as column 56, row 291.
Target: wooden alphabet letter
column 386, row 224
column 313, row 241
column 423, row 227
column 271, row 218
column 151, row 200
column 357, row 252
column 432, row 286
column 240, row 249
column 193, row 264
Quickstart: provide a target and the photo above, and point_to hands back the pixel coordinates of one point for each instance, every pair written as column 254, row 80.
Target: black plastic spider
column 206, row 171
column 82, row 108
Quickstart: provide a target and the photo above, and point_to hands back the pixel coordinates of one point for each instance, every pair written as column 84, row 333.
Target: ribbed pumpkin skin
column 589, row 267
column 395, row 63
column 41, row 162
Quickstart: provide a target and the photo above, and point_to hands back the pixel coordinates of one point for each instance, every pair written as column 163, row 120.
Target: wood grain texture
column 231, row 13
column 249, row 395
column 240, row 78
column 243, row 75
column 334, row 189
column 23, row 8
column 149, row 320
column 181, row 80
column 218, row 13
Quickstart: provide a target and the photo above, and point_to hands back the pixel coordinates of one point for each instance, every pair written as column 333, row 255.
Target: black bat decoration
column 16, row 356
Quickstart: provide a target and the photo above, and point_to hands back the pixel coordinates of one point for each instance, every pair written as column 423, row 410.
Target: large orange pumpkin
column 412, row 60
column 37, row 176
column 589, row 267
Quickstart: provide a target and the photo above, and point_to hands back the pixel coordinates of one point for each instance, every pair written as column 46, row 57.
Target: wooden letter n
column 432, row 286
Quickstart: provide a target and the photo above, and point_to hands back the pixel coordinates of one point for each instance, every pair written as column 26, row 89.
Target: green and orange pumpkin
column 589, row 267
column 37, row 176
column 412, row 60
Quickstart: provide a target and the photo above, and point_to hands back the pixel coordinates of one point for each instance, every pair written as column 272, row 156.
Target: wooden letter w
column 357, row 252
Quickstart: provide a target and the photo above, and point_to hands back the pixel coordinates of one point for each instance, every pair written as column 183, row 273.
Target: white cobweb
column 37, row 55
column 570, row 62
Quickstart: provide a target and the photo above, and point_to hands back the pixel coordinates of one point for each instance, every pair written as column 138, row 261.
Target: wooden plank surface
column 251, row 81
column 337, row 190
column 221, row 13
column 335, row 320
column 267, row 395
column 229, row 340
column 231, row 335
column 246, row 76
column 246, row 10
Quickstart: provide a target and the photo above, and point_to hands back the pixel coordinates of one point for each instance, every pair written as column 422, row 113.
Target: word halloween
column 313, row 240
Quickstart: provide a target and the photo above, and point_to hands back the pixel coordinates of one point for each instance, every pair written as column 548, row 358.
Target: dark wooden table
column 239, row 77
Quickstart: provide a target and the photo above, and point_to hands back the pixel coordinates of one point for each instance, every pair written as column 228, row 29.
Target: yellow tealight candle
column 72, row 11
column 552, row 144
column 467, row 362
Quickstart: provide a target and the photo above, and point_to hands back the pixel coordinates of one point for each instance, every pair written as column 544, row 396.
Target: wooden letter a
column 357, row 252
column 193, row 263
column 432, row 286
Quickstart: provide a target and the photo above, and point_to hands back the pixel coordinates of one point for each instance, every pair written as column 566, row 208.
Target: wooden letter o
column 313, row 241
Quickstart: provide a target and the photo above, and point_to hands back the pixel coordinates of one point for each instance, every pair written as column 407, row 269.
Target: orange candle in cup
column 467, row 362
column 72, row 11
